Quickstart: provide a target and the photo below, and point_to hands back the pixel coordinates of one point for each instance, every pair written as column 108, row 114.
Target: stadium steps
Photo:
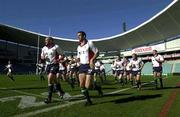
column 176, row 68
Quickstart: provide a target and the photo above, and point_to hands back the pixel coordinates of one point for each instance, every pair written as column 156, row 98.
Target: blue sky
column 98, row 18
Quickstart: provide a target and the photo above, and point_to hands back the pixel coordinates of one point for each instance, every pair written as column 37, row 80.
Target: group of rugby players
column 84, row 69
column 125, row 70
column 80, row 69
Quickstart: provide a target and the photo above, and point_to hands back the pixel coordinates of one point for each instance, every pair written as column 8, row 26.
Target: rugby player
column 137, row 65
column 50, row 53
column 157, row 61
column 86, row 55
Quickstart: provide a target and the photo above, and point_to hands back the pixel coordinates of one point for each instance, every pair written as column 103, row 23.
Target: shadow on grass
column 25, row 88
column 135, row 98
column 109, row 88
column 165, row 88
column 112, row 95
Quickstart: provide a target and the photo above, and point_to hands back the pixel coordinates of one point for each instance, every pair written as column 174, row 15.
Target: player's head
column 134, row 56
column 9, row 62
column 81, row 36
column 118, row 57
column 48, row 41
column 154, row 52
column 126, row 59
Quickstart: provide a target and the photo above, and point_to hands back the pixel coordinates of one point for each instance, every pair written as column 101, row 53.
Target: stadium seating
column 108, row 68
column 167, row 68
column 176, row 68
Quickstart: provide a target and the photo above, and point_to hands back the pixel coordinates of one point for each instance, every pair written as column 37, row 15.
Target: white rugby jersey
column 136, row 64
column 73, row 65
column 113, row 67
column 50, row 54
column 128, row 66
column 68, row 67
column 61, row 66
column 85, row 52
column 119, row 64
column 102, row 67
column 40, row 66
column 154, row 59
column 9, row 67
column 97, row 65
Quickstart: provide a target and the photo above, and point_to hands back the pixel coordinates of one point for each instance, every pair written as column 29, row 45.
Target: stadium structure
column 161, row 32
column 24, row 96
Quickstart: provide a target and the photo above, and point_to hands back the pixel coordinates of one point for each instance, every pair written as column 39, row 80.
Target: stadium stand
column 147, row 69
column 176, row 68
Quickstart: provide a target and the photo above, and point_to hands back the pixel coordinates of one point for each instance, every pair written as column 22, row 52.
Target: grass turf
column 147, row 102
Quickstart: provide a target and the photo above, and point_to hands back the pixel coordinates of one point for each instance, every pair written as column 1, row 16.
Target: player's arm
column 141, row 65
column 96, row 53
column 78, row 56
column 161, row 59
column 43, row 56
column 59, row 54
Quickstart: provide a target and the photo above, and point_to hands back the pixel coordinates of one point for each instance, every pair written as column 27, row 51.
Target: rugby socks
column 58, row 88
column 156, row 84
column 138, row 84
column 98, row 88
column 161, row 82
column 86, row 94
column 72, row 80
column 131, row 82
column 42, row 78
column 50, row 90
column 11, row 77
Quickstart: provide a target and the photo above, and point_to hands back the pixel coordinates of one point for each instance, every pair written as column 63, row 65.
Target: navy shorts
column 62, row 71
column 97, row 71
column 74, row 69
column 128, row 72
column 85, row 68
column 113, row 71
column 52, row 68
column 120, row 72
column 157, row 69
column 135, row 73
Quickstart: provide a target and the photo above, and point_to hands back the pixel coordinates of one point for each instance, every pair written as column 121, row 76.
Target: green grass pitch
column 25, row 97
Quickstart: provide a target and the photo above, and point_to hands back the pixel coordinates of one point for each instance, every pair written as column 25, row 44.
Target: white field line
column 61, row 106
column 48, row 109
column 64, row 105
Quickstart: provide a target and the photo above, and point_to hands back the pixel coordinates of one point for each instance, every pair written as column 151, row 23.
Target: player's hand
column 92, row 64
column 43, row 57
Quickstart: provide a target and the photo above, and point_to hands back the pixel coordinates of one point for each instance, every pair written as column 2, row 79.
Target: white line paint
column 65, row 105
column 48, row 109
column 114, row 92
column 25, row 102
column 26, row 93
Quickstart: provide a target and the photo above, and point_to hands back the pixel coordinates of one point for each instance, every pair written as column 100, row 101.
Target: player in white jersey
column 102, row 71
column 137, row 65
column 86, row 55
column 9, row 70
column 41, row 68
column 73, row 71
column 97, row 71
column 113, row 68
column 119, row 63
column 157, row 61
column 127, row 67
column 50, row 53
column 62, row 68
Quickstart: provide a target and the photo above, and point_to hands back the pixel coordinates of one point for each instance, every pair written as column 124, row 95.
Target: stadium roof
column 164, row 25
